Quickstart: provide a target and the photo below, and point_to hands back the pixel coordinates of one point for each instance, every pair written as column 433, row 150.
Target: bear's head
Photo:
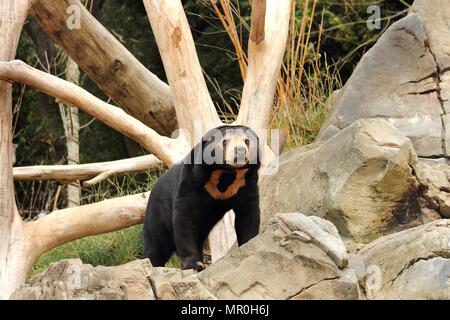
column 231, row 147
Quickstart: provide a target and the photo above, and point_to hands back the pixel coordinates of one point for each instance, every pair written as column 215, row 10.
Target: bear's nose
column 240, row 150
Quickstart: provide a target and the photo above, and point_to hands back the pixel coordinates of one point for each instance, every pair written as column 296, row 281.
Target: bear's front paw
column 200, row 266
column 196, row 265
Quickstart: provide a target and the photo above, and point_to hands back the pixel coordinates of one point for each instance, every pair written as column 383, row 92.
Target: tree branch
column 164, row 148
column 66, row 225
column 96, row 172
column 109, row 64
column 258, row 21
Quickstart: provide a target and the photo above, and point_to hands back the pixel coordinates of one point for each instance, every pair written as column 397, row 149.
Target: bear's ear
column 212, row 136
column 255, row 146
column 208, row 136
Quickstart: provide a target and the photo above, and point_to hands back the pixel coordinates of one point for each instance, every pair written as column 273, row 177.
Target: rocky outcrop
column 362, row 179
column 71, row 279
column 434, row 195
column 404, row 79
column 412, row 264
column 176, row 284
column 296, row 257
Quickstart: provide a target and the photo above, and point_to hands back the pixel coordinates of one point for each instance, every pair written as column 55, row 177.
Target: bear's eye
column 247, row 142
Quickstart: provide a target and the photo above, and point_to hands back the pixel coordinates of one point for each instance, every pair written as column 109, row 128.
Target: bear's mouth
column 235, row 166
column 240, row 165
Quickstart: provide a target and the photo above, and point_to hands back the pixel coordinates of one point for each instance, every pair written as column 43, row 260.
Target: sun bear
column 219, row 174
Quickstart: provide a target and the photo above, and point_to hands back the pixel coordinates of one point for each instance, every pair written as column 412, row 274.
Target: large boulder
column 296, row 257
column 405, row 79
column 362, row 179
column 412, row 264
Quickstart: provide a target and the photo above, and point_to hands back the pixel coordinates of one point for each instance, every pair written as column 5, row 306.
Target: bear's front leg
column 186, row 224
column 247, row 221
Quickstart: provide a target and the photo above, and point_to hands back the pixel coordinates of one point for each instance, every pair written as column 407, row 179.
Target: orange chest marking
column 212, row 185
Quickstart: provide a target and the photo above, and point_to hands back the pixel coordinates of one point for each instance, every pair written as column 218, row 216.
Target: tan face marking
column 212, row 185
column 229, row 144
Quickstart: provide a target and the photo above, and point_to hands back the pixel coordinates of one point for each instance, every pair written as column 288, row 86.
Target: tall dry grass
column 305, row 81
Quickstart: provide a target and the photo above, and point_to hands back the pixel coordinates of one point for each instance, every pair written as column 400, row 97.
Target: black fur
column 181, row 213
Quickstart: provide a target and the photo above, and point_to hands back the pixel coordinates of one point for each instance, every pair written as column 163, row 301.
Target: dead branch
column 74, row 95
column 69, row 224
column 95, row 172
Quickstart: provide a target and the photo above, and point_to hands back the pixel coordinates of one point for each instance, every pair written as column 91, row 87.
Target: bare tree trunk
column 13, row 253
column 71, row 123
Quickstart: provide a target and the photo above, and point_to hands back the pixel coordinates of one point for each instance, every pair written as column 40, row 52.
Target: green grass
column 109, row 249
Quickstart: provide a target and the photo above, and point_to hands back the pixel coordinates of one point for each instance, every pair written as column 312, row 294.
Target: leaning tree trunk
column 13, row 253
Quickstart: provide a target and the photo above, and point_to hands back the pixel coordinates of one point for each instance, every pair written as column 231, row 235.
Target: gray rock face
column 361, row 179
column 320, row 232
column 176, row 284
column 412, row 264
column 434, row 177
column 404, row 79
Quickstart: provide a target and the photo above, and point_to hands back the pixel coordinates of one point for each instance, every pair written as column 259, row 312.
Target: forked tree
column 147, row 114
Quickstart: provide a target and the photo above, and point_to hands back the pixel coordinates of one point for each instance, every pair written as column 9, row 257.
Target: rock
column 294, row 258
column 412, row 264
column 176, row 284
column 425, row 279
column 71, row 279
column 434, row 177
column 362, row 180
column 405, row 79
column 340, row 289
column 320, row 232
